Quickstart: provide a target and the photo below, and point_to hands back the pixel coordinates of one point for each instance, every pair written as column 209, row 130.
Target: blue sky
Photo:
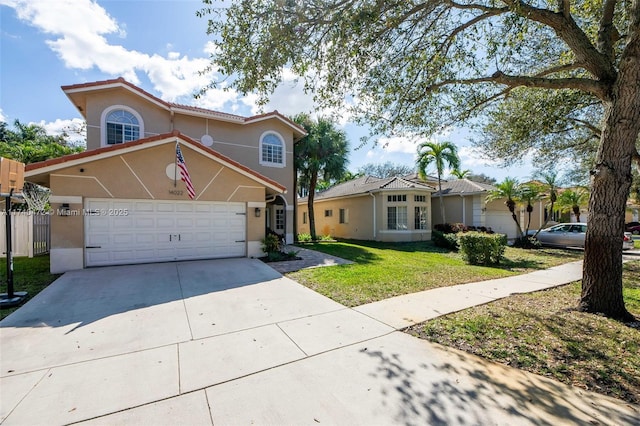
column 159, row 45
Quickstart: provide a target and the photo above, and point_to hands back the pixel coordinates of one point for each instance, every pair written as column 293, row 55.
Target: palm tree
column 549, row 185
column 530, row 193
column 439, row 153
column 461, row 174
column 321, row 154
column 509, row 188
column 572, row 200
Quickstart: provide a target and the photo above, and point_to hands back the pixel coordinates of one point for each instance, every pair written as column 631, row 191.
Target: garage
column 122, row 231
column 501, row 222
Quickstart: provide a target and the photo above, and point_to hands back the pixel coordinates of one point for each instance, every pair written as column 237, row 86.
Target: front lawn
column 29, row 274
column 543, row 333
column 383, row 270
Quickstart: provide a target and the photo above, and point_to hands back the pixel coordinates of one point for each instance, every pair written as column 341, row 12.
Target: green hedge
column 482, row 249
column 446, row 241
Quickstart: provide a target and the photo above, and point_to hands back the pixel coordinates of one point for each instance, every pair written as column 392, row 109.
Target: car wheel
column 635, row 232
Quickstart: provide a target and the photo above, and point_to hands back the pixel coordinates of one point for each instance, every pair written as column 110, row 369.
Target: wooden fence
column 30, row 234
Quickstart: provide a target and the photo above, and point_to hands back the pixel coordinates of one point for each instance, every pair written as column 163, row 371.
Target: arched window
column 121, row 126
column 272, row 150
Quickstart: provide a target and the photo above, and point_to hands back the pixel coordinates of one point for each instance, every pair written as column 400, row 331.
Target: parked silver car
column 572, row 235
column 563, row 235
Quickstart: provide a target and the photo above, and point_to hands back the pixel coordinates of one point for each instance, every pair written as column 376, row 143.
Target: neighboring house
column 119, row 202
column 369, row 208
column 465, row 202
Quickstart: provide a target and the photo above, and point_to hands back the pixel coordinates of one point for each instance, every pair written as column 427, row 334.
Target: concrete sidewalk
column 402, row 311
column 198, row 343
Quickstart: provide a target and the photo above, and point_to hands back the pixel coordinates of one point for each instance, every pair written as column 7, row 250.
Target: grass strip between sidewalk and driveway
column 383, row 270
column 543, row 333
column 29, row 274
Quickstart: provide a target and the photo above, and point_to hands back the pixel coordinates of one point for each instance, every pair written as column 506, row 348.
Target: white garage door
column 140, row 231
column 501, row 223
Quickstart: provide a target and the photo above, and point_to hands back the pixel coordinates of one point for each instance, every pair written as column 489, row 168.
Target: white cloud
column 471, row 156
column 2, row 117
column 74, row 128
column 402, row 144
column 78, row 30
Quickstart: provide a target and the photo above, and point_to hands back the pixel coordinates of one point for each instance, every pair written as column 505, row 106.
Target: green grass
column 29, row 274
column 383, row 270
column 543, row 333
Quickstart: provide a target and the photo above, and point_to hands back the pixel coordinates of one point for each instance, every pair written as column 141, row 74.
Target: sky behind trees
column 160, row 46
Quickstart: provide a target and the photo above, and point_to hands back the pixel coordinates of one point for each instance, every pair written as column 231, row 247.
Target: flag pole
column 175, row 164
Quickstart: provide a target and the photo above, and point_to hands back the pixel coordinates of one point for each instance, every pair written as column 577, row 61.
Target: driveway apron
column 102, row 340
column 234, row 342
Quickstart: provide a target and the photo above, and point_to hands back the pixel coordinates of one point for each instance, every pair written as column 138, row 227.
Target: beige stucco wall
column 155, row 120
column 142, row 175
column 453, row 209
column 359, row 224
column 238, row 141
column 363, row 212
column 411, row 234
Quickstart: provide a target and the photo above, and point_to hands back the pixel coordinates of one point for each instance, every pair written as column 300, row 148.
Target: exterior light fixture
column 257, row 211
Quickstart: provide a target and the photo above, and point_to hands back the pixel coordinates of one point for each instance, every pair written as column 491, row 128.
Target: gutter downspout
column 374, row 215
column 464, row 210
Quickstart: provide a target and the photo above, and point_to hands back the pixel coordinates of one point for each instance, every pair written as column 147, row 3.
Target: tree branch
column 597, row 132
column 597, row 63
column 607, row 32
column 596, row 88
column 559, row 68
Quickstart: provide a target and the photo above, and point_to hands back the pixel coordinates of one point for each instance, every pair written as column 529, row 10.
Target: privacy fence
column 30, row 234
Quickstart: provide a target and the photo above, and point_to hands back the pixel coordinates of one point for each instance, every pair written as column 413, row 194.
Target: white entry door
column 121, row 232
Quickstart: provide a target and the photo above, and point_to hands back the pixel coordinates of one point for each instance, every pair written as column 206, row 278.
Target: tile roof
column 368, row 184
column 121, row 82
column 464, row 186
column 87, row 156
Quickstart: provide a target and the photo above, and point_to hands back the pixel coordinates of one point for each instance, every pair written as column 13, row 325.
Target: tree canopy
column 320, row 155
column 417, row 67
column 440, row 154
column 30, row 143
column 385, row 170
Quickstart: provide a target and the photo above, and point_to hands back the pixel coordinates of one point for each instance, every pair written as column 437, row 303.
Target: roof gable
column 77, row 92
column 464, row 187
column 50, row 166
column 369, row 184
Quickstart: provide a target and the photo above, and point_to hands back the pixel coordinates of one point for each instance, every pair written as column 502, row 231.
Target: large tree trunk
column 611, row 180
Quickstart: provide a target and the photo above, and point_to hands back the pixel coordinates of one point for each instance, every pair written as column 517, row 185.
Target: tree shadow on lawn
column 518, row 264
column 355, row 251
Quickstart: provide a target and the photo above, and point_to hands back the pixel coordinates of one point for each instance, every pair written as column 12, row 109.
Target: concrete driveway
column 233, row 342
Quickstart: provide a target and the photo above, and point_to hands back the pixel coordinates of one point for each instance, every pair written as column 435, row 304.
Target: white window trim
column 103, row 121
column 284, row 151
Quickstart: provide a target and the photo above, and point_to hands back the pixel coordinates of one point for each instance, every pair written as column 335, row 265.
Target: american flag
column 184, row 173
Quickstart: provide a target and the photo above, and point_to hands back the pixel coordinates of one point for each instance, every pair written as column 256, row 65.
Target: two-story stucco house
column 123, row 201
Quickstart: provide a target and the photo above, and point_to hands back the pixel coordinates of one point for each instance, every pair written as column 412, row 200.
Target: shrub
column 446, row 241
column 450, row 228
column 326, row 237
column 527, row 243
column 304, row 238
column 444, row 228
column 271, row 244
column 482, row 249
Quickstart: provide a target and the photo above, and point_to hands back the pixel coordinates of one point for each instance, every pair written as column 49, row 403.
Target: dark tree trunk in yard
column 611, row 180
